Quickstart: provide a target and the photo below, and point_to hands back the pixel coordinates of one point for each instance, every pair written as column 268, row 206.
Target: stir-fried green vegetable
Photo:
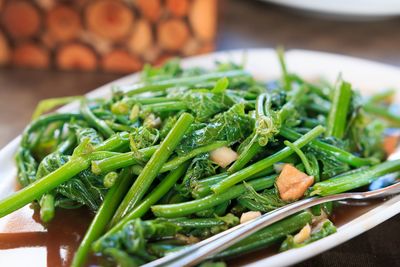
column 187, row 153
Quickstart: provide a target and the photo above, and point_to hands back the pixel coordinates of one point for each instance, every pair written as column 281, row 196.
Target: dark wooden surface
column 243, row 24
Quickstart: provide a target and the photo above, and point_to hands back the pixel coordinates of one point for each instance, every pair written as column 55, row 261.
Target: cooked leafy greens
column 231, row 126
column 184, row 154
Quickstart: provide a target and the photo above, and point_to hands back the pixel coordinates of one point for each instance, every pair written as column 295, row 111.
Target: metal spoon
column 198, row 252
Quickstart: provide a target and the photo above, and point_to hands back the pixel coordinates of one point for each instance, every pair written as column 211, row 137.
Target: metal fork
column 198, row 252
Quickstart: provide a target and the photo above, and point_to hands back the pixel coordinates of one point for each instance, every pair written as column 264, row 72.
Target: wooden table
column 243, row 24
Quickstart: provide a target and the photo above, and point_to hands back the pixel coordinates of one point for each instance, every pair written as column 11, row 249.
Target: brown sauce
column 344, row 213
column 254, row 256
column 24, row 240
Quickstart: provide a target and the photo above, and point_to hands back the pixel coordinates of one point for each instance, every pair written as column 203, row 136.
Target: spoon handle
column 211, row 246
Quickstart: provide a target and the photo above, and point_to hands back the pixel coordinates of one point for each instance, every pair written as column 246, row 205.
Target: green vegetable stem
column 337, row 118
column 245, row 173
column 355, row 180
column 190, row 207
column 153, row 166
column 103, row 216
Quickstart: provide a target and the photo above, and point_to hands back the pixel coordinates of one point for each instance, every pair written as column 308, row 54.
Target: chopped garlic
column 223, row 156
column 134, row 115
column 317, row 219
column 152, row 121
column 303, row 235
column 278, row 167
column 316, row 228
column 248, row 216
column 187, row 239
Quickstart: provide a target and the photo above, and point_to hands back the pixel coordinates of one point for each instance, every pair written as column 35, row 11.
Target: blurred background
column 107, row 35
column 119, row 36
column 51, row 48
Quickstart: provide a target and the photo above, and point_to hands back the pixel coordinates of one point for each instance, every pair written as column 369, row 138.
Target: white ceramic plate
column 351, row 9
column 368, row 76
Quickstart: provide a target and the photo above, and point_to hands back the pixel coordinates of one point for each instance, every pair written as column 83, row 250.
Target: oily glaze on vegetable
column 187, row 153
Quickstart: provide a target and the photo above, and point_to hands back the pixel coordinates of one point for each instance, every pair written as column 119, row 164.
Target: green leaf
column 331, row 166
column 85, row 189
column 220, row 86
column 365, row 132
column 205, row 104
column 51, row 163
column 200, row 167
column 51, row 103
column 143, row 137
column 169, row 69
column 86, row 132
column 134, row 237
column 264, row 202
column 231, row 126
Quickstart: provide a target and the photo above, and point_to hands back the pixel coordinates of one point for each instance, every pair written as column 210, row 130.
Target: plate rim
column 344, row 8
